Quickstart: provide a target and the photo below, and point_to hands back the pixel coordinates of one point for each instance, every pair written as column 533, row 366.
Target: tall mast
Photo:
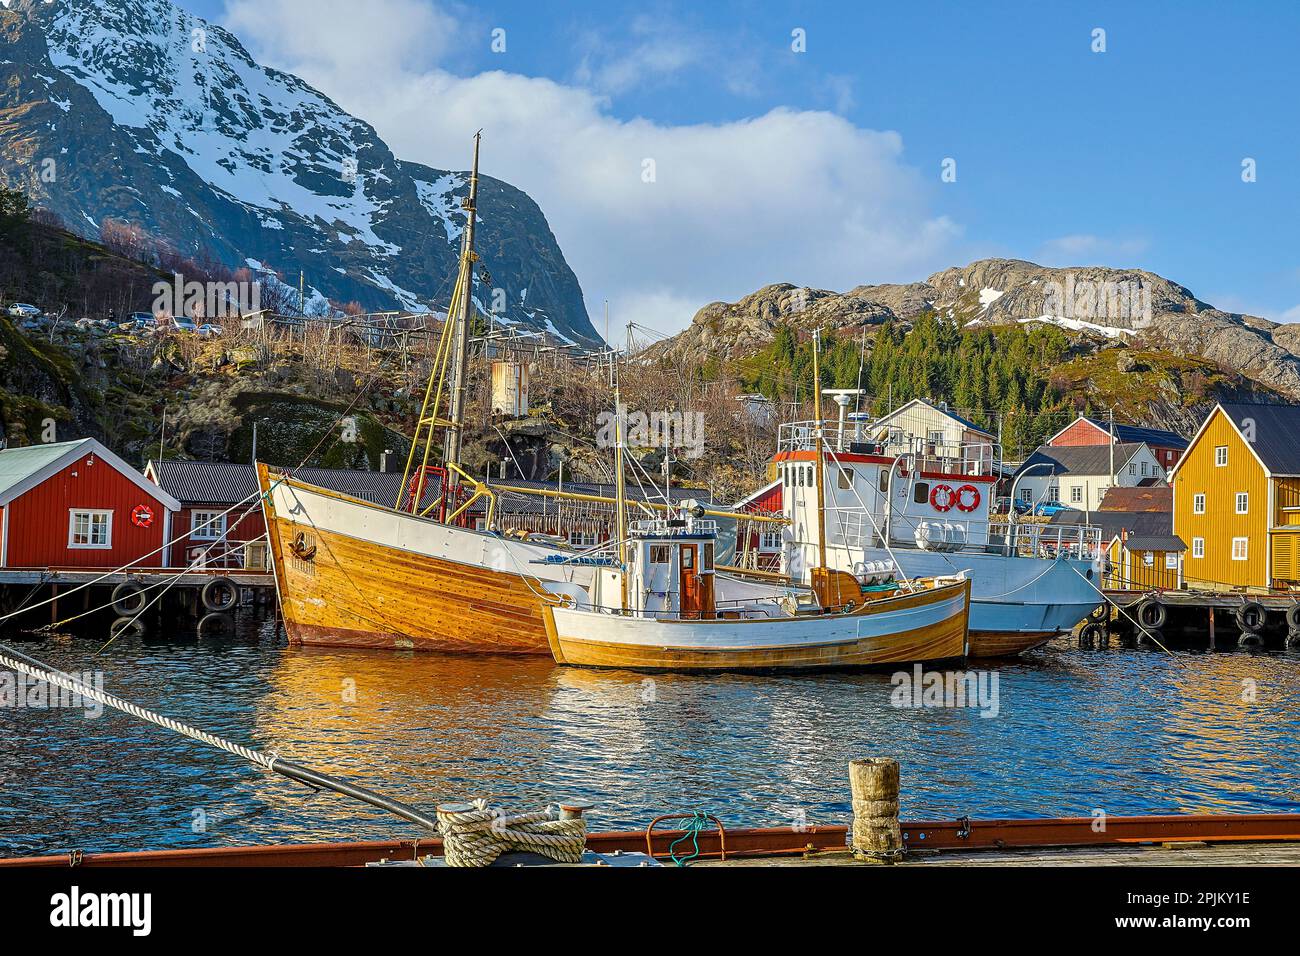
column 460, row 352
column 620, row 489
column 819, row 472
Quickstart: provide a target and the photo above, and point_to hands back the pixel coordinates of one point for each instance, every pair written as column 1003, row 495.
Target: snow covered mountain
column 136, row 111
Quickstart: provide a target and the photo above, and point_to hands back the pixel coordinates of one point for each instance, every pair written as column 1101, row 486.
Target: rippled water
column 1129, row 731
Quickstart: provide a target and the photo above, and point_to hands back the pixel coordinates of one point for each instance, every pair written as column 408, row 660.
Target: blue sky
column 823, row 167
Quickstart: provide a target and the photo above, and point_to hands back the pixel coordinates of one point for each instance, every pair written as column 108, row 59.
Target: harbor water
column 1064, row 732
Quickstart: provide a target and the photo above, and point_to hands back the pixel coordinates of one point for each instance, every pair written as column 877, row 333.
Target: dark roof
column 1078, row 459
column 1143, row 498
column 227, row 483
column 1274, row 433
column 1111, row 523
column 1128, row 434
column 1155, row 542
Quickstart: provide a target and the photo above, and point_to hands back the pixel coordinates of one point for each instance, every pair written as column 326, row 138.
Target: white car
column 207, row 328
column 182, row 324
column 24, row 310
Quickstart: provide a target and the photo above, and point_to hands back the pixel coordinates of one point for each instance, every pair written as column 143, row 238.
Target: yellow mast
column 620, row 489
column 460, row 371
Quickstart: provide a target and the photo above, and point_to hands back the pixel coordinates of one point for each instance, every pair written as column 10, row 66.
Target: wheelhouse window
column 706, row 557
column 208, row 526
column 658, row 554
column 846, row 479
column 90, row 529
column 922, row 493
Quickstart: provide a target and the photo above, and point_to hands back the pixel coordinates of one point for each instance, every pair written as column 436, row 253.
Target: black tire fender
column 128, row 599
column 219, row 595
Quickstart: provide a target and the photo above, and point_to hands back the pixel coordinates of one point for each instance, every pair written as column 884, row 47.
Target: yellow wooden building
column 1237, row 499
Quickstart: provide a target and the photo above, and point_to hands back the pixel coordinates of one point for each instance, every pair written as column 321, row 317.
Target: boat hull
column 375, row 577
column 1017, row 603
column 925, row 626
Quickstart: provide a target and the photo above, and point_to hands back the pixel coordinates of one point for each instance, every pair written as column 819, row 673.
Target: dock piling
column 877, row 836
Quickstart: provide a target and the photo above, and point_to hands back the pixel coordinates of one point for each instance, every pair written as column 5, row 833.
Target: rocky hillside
column 135, row 111
column 1100, row 308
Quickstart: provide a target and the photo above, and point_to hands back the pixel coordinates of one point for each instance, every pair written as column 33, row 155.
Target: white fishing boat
column 925, row 506
column 658, row 612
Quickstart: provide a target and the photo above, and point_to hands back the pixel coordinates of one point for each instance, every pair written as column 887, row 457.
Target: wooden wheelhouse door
column 696, row 580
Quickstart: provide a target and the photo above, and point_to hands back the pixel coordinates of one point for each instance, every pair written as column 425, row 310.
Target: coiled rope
column 698, row 820
column 474, row 834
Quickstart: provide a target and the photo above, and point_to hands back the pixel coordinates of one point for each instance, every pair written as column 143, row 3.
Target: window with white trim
column 1132, row 468
column 1220, row 456
column 1144, row 469
column 1198, row 504
column 208, row 525
column 1240, row 549
column 1148, row 558
column 770, row 541
column 90, row 528
column 1198, row 547
column 582, row 539
column 1243, row 502
column 1171, row 561
column 1054, row 493
column 1076, row 493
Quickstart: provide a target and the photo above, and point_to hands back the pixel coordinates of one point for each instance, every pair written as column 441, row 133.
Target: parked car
column 208, row 328
column 142, row 320
column 1003, row 506
column 1048, row 508
column 23, row 310
column 181, row 323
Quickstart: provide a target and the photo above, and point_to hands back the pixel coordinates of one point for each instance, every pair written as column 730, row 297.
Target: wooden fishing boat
column 666, row 617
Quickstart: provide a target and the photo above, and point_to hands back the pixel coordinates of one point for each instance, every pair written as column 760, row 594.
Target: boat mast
column 820, row 467
column 620, row 490
column 460, row 353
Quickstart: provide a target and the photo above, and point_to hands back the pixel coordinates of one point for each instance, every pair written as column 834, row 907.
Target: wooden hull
column 382, row 579
column 927, row 626
column 1005, row 643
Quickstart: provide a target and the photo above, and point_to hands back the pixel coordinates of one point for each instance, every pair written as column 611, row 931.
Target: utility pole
column 302, row 295
column 1112, row 447
column 460, row 352
column 162, row 435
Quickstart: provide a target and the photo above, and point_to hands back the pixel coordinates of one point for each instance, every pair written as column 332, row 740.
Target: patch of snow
column 989, row 296
column 437, row 197
column 1079, row 325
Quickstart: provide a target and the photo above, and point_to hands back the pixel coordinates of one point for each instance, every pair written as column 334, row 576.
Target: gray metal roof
column 1274, row 434
column 217, row 482
column 1111, row 523
column 1155, row 542
column 1079, row 459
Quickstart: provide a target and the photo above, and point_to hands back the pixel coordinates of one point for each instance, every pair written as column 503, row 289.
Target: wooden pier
column 1248, row 618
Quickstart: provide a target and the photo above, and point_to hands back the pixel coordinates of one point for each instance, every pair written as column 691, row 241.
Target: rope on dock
column 475, row 834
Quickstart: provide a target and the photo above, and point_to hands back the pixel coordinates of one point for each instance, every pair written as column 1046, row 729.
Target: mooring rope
column 697, row 822
column 475, row 834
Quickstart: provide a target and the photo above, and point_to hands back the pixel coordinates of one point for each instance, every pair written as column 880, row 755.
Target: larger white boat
column 925, row 507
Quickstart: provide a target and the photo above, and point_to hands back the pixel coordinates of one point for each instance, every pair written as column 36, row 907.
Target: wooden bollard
column 876, row 834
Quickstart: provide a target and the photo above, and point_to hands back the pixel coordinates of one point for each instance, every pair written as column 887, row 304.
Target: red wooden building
column 759, row 545
column 77, row 505
column 217, row 520
column 1167, row 446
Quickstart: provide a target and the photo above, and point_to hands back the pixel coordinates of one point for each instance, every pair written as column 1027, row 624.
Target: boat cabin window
column 658, row 554
column 922, row 493
column 706, row 558
column 799, row 477
column 688, row 559
column 846, row 478
column 809, row 470
column 884, row 479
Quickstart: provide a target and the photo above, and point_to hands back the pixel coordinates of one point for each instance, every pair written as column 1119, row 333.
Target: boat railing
column 667, row 527
column 972, row 459
column 1036, row 540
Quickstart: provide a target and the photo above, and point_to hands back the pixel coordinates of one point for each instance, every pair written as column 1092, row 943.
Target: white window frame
column 1148, row 559
column 1243, row 502
column 1198, row 547
column 1245, row 549
column 215, row 532
column 582, row 539
column 1054, row 494
column 1171, row 561
column 1198, row 503
column 1076, row 493
column 1220, row 456
column 93, row 513
column 769, row 541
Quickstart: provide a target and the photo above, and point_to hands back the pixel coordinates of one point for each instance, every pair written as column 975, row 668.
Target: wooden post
column 1211, row 627
column 876, row 833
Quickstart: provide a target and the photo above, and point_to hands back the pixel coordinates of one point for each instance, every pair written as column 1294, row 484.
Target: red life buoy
column 968, row 498
column 941, row 497
column 142, row 516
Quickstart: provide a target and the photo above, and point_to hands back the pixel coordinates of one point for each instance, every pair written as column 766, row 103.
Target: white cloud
column 798, row 196
column 1080, row 249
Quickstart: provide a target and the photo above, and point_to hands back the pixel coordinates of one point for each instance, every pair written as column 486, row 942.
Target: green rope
column 691, row 830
